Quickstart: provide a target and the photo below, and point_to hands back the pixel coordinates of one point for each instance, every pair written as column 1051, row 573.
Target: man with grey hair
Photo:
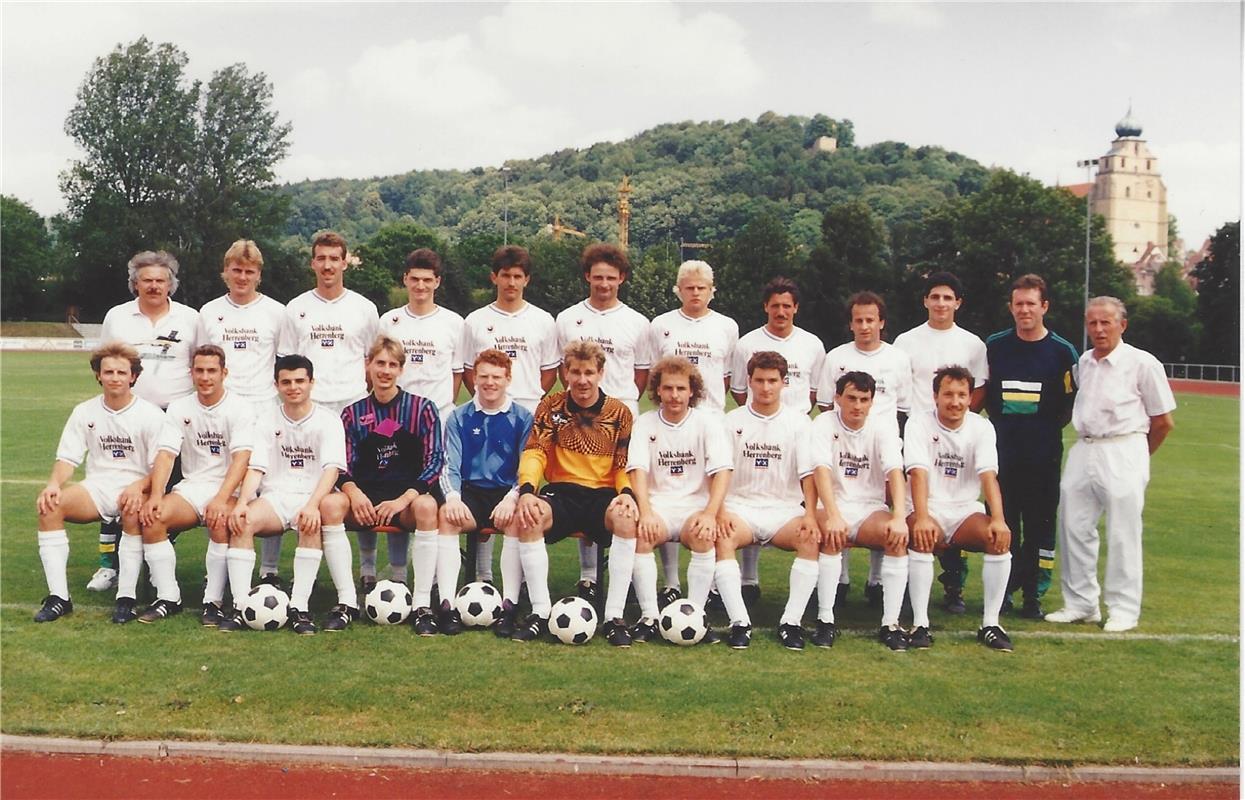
column 163, row 331
column 1122, row 414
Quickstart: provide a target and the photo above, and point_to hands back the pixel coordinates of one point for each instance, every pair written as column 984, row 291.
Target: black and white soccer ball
column 266, row 608
column 479, row 604
column 683, row 623
column 573, row 620
column 389, row 603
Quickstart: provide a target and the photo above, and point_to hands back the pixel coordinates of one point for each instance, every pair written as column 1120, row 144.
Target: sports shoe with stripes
column 532, row 628
column 740, row 637
column 826, row 635
column 668, row 595
column 301, row 623
column 159, row 610
column 53, row 608
column 995, row 638
column 893, row 637
column 340, row 617
column 616, row 632
column 920, row 639
column 124, row 612
column 791, row 636
column 212, row 615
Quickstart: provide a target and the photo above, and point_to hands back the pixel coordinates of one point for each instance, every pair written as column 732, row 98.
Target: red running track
column 1212, row 388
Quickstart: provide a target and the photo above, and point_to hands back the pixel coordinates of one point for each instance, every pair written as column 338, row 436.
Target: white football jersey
column 804, row 353
column 708, row 342
column 120, row 446
column 858, row 460
column 930, row 350
column 293, row 454
column 335, row 335
column 434, row 351
column 249, row 336
column 954, row 459
column 164, row 345
column 771, row 456
column 206, row 437
column 529, row 336
column 622, row 333
column 889, row 367
column 679, row 458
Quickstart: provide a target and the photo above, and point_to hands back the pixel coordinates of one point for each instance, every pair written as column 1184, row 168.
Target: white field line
column 24, row 481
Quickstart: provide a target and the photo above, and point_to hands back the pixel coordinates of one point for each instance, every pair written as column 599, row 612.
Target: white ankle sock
column 129, row 563
column 240, row 562
column 894, row 581
column 424, row 559
column 535, row 559
column 644, row 579
column 995, row 571
column 726, row 576
column 448, row 562
column 306, row 565
column 622, row 562
column 216, row 564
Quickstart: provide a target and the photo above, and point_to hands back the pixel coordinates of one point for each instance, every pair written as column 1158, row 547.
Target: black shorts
column 380, row 492
column 481, row 502
column 577, row 509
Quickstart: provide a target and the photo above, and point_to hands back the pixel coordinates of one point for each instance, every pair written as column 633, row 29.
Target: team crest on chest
column 185, row 420
column 90, row 424
column 394, row 319
column 220, row 319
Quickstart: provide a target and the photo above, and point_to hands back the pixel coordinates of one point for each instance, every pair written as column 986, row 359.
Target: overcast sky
column 382, row 89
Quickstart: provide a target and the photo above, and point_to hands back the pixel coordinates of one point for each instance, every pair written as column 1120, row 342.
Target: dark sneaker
column 53, row 609
column 366, row 584
column 1032, row 609
column 740, row 637
column 271, row 579
column 588, row 591
column 714, row 602
column 751, row 593
column 340, row 617
column 790, row 637
column 995, row 638
column 301, row 622
column 953, row 602
column 449, row 621
column 124, row 612
column 506, row 619
column 644, row 631
column 532, row 628
column 212, row 615
column 424, row 621
column 232, row 622
column 920, row 639
column 668, row 595
column 873, row 595
column 1008, row 606
column 825, row 635
column 840, row 594
column 711, row 637
column 893, row 637
column 616, row 632
column 159, row 610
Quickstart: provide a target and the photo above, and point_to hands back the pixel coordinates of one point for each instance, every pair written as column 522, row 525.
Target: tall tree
column 744, row 264
column 1218, row 297
column 27, row 279
column 854, row 255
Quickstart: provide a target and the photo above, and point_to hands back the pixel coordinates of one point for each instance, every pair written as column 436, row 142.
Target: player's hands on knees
column 624, row 505
column 387, row 510
column 924, row 534
column 528, row 511
column 1000, row 537
column 503, row 513
column 896, row 533
column 649, row 529
column 150, row 512
column 703, row 526
column 131, row 499
column 725, row 527
column 238, row 519
column 834, row 531
column 809, row 530
column 458, row 515
column 362, row 508
column 308, row 520
column 216, row 513
column 49, row 499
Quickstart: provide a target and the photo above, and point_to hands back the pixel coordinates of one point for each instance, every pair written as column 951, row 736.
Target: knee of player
column 311, row 540
column 425, row 508
column 333, row 508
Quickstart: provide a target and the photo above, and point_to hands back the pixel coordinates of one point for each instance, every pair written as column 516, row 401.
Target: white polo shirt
column 890, row 368
column 953, row 458
column 804, row 353
column 930, row 350
column 771, row 456
column 335, row 335
column 858, row 460
column 622, row 333
column 529, row 336
column 293, row 454
column 120, row 446
column 206, row 437
column 164, row 345
column 708, row 342
column 249, row 335
column 434, row 351
column 679, row 458
column 1120, row 392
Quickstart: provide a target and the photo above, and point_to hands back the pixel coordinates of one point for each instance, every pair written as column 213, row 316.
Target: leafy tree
column 743, row 265
column 27, row 281
column 854, row 256
column 557, row 281
column 389, row 248
column 1157, row 324
column 1218, row 297
column 1171, row 284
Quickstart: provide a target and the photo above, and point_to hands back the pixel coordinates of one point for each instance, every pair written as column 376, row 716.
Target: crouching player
column 393, row 466
column 951, row 458
column 117, row 431
column 211, row 431
column 483, row 439
column 773, row 475
column 679, row 462
column 857, row 460
column 297, row 455
column 579, row 443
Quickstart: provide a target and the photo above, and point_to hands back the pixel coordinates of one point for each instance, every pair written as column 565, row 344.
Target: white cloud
column 925, row 15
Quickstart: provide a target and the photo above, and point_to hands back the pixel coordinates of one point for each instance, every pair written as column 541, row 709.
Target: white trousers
column 1103, row 476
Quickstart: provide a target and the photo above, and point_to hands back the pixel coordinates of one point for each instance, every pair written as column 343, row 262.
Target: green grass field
column 1168, row 695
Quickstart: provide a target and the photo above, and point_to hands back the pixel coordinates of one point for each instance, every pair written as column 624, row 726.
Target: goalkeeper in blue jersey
column 483, row 440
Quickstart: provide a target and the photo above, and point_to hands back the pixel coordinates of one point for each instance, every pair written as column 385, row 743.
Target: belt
column 1116, row 438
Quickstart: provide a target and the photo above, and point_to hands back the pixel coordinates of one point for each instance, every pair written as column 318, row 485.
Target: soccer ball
column 388, row 604
column 479, row 604
column 683, row 623
column 266, row 608
column 573, row 620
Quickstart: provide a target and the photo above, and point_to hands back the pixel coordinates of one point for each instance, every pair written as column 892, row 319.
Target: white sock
column 54, row 553
column 535, row 559
column 162, row 564
column 216, row 564
column 700, row 577
column 587, row 561
column 240, row 562
column 670, row 563
column 828, row 568
column 920, row 579
column 844, row 575
column 306, row 565
column 340, row 560
column 622, row 562
column 511, row 569
column 749, row 561
column 995, row 571
column 484, row 560
column 424, row 559
column 726, row 576
column 367, row 553
column 129, row 563
column 448, row 562
column 804, row 573
column 894, row 581
column 270, row 555
column 644, row 579
column 875, row 567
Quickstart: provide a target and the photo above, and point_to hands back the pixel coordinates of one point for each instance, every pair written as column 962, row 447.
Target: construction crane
column 558, row 229
column 624, row 211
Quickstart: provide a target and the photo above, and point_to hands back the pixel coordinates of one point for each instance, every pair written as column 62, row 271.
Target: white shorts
column 765, row 521
column 285, row 506
column 856, row 513
column 951, row 517
column 676, row 514
column 104, row 494
column 198, row 494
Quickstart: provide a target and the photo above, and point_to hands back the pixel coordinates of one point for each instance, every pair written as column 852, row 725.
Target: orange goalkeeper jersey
column 573, row 444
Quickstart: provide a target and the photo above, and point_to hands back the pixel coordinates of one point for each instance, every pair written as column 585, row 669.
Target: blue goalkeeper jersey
column 482, row 448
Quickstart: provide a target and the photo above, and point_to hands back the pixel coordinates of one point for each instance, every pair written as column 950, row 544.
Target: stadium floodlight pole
column 505, row 205
column 1089, row 165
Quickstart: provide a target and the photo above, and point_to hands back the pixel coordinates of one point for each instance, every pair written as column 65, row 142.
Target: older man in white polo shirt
column 1122, row 415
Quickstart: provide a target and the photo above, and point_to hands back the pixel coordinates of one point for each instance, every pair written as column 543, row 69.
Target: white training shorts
column 675, row 515
column 285, row 506
column 198, row 494
column 855, row 515
column 104, row 494
column 951, row 517
column 765, row 521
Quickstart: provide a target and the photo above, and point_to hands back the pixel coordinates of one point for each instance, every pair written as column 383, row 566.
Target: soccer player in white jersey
column 803, row 350
column 211, row 431
column 298, row 453
column 937, row 343
column 858, row 463
column 773, row 475
column 951, row 459
column 679, row 461
column 623, row 334
column 117, row 431
column 432, row 335
column 163, row 332
column 891, row 369
column 520, row 330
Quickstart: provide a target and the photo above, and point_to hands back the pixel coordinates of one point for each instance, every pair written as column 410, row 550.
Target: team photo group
column 253, row 419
